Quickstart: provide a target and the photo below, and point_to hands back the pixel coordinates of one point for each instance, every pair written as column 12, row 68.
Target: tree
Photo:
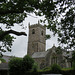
column 60, row 15
column 21, row 65
column 35, row 67
column 2, row 60
column 28, row 63
column 55, row 68
column 11, row 12
column 6, row 42
column 15, row 66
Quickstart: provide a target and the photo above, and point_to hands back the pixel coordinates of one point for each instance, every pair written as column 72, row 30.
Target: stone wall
column 41, row 62
column 36, row 41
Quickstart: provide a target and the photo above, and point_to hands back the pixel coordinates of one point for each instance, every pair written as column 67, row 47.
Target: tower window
column 42, row 33
column 33, row 31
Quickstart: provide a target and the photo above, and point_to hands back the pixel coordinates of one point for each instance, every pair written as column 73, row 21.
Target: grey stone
column 40, row 54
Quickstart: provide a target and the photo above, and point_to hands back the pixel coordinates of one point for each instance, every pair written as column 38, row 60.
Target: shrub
column 15, row 65
column 35, row 67
column 20, row 65
column 28, row 63
column 2, row 60
column 46, row 69
column 73, row 65
column 55, row 68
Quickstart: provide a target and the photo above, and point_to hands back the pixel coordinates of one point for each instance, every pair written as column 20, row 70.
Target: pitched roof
column 4, row 66
column 39, row 54
column 43, row 54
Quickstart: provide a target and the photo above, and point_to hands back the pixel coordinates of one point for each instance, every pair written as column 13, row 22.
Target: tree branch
column 10, row 11
column 11, row 32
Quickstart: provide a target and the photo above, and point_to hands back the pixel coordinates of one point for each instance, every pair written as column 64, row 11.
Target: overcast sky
column 20, row 44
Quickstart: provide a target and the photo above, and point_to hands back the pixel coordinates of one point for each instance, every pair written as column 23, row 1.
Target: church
column 37, row 50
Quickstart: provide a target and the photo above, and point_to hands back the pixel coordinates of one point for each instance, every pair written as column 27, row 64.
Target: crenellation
column 36, row 25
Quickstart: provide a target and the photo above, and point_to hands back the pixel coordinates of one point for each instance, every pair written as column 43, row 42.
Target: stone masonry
column 36, row 38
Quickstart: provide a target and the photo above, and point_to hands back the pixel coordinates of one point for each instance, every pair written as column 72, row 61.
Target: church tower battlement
column 36, row 40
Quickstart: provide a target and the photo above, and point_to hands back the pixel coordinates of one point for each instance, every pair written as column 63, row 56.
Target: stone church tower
column 36, row 40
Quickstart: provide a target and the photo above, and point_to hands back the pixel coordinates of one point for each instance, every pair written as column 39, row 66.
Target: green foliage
column 65, row 27
column 73, row 56
column 11, row 12
column 48, row 37
column 46, row 69
column 15, row 65
column 60, row 16
column 2, row 60
column 6, row 43
column 59, row 50
column 15, row 11
column 73, row 65
column 21, row 65
column 28, row 63
column 67, row 69
column 35, row 67
column 55, row 68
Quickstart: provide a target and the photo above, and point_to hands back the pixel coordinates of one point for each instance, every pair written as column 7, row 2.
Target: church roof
column 39, row 54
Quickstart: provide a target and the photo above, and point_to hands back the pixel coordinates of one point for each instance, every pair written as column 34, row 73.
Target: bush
column 21, row 65
column 2, row 60
column 55, row 68
column 28, row 63
column 35, row 67
column 73, row 65
column 15, row 65
column 46, row 69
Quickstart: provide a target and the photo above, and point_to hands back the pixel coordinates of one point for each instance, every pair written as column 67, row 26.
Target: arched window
column 33, row 31
column 42, row 33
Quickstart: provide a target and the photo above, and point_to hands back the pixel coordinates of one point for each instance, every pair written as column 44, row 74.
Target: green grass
column 65, row 69
column 48, row 69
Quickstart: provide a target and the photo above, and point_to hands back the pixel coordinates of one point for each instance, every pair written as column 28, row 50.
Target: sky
column 20, row 44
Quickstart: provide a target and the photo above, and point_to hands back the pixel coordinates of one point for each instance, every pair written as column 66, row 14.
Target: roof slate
column 39, row 54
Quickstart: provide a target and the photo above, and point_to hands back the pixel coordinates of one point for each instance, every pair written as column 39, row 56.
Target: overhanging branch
column 10, row 11
column 11, row 32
